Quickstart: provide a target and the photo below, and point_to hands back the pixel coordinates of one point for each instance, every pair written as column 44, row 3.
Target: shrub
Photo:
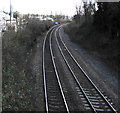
column 17, row 85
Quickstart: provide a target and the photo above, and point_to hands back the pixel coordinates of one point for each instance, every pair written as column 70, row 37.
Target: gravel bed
column 67, row 81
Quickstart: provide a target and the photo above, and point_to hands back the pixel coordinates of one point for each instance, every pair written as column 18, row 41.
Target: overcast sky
column 66, row 7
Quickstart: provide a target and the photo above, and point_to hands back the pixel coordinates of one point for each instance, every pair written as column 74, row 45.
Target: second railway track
column 92, row 98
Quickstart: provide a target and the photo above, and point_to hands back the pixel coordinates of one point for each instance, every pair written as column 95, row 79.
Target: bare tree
column 89, row 9
column 77, row 17
column 16, row 16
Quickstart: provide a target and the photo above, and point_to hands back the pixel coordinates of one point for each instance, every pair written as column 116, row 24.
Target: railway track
column 56, row 98
column 91, row 97
column 54, row 95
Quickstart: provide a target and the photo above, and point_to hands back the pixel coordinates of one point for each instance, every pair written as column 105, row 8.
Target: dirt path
column 37, row 73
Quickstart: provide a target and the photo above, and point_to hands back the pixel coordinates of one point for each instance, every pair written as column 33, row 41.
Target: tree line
column 105, row 18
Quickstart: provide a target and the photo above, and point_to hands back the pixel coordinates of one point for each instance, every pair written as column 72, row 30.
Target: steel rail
column 112, row 108
column 43, row 71
column 73, row 74
column 57, row 75
column 56, row 72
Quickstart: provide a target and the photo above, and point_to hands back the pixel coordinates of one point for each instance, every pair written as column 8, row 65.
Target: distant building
column 48, row 18
column 41, row 17
column 5, row 22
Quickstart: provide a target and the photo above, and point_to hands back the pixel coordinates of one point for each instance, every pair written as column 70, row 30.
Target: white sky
column 66, row 7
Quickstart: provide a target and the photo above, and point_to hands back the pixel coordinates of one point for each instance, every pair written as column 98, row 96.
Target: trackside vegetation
column 98, row 31
column 18, row 81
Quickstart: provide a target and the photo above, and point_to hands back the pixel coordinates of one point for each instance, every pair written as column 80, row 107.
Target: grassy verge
column 18, row 81
column 97, row 43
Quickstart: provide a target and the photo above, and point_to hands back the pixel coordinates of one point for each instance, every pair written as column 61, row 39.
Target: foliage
column 106, row 18
column 103, row 21
column 18, row 82
column 101, row 35
column 87, row 13
column 16, row 15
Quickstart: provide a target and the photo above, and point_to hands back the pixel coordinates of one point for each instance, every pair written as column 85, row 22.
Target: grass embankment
column 96, row 42
column 18, row 81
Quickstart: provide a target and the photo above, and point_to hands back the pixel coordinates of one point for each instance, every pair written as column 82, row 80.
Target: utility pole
column 10, row 12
